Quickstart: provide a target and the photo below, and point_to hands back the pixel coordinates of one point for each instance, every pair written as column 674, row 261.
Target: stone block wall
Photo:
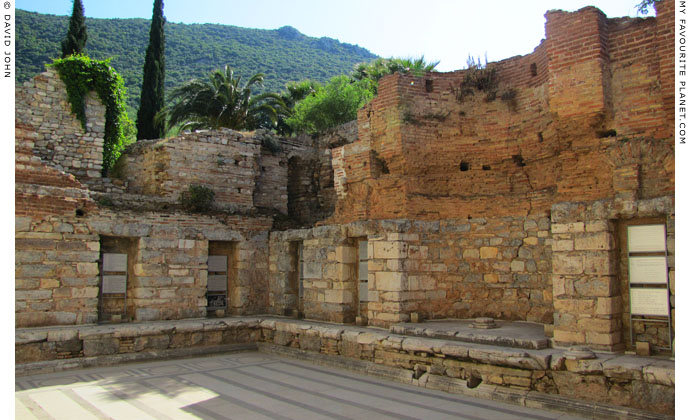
column 590, row 284
column 271, row 190
column 170, row 271
column 443, row 269
column 61, row 223
column 58, row 276
column 326, row 268
column 41, row 103
column 310, row 179
column 225, row 161
column 56, row 273
column 56, row 252
column 479, row 267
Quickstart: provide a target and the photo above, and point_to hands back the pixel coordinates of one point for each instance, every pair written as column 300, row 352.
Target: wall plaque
column 364, row 270
column 646, row 238
column 115, row 262
column 217, row 283
column 363, row 292
column 363, row 250
column 644, row 301
column 650, row 270
column 216, row 301
column 217, row 263
column 114, row 284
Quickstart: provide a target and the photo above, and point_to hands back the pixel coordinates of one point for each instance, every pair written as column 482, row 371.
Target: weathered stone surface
column 658, row 373
column 417, row 345
column 157, row 342
column 28, row 336
column 566, row 264
column 101, row 346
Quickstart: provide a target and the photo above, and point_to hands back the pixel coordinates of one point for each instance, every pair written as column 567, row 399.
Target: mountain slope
column 191, row 51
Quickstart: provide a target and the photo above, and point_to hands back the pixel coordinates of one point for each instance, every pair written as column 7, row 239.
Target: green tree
column 153, row 89
column 223, row 101
column 376, row 69
column 75, row 41
column 334, row 104
column 294, row 92
column 198, row 50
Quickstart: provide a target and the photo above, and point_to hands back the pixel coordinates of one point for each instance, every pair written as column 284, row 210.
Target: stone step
column 523, row 335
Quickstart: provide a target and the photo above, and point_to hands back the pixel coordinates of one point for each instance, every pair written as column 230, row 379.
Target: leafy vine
column 81, row 75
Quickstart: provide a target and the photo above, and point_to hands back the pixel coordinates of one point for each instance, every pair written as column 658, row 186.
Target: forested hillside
column 191, row 51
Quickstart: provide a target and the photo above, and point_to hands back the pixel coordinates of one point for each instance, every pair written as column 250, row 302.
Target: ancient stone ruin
column 527, row 190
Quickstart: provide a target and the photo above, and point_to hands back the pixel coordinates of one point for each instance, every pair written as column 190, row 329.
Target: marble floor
column 250, row 385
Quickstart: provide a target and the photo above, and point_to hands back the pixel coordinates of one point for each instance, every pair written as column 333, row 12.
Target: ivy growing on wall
column 81, row 75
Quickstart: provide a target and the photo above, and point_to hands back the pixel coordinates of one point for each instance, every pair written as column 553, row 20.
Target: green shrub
column 331, row 105
column 105, row 201
column 197, row 198
column 81, row 75
column 482, row 77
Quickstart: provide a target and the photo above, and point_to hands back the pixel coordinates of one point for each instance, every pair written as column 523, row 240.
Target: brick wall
column 593, row 84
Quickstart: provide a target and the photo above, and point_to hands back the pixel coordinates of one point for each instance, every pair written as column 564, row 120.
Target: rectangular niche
column 294, row 292
column 648, row 281
column 222, row 277
column 362, row 277
column 116, row 265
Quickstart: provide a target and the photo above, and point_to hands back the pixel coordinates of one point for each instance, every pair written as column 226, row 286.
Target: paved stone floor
column 249, row 385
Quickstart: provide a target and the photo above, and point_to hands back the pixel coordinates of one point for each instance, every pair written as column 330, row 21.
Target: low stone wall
column 519, row 376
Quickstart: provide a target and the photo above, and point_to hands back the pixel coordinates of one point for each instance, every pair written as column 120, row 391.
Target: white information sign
column 646, row 238
column 217, row 283
column 114, row 284
column 645, row 301
column 218, row 263
column 115, row 262
column 649, row 270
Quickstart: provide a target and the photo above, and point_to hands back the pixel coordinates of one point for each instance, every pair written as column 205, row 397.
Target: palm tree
column 221, row 101
column 376, row 69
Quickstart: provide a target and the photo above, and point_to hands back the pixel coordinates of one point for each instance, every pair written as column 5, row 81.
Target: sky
column 442, row 30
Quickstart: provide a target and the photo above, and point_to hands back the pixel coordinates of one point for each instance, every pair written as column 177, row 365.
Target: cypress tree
column 152, row 89
column 75, row 41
